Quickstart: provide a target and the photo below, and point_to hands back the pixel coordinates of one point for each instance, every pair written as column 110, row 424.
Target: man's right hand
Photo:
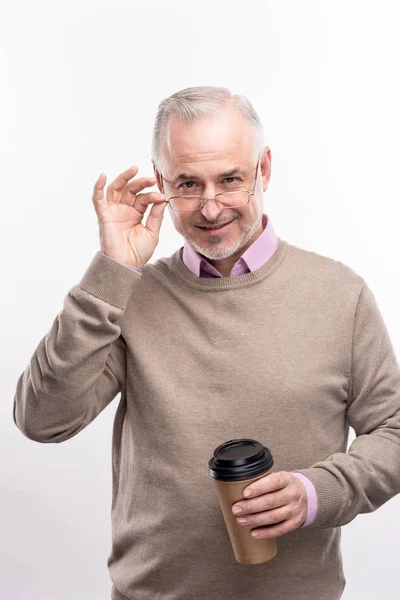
column 123, row 236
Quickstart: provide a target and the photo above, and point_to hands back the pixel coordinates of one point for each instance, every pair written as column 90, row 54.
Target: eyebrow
column 187, row 176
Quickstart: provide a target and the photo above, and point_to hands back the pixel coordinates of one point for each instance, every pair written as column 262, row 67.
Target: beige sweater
column 290, row 355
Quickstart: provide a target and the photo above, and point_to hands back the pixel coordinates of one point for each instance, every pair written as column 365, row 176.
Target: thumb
column 154, row 220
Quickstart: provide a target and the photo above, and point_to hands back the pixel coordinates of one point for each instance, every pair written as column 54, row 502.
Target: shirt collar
column 255, row 256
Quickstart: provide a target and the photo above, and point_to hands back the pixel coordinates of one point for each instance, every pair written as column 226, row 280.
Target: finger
column 120, row 182
column 274, row 531
column 155, row 218
column 269, row 517
column 131, row 190
column 136, row 186
column 142, row 201
column 267, row 502
column 98, row 191
column 263, row 487
column 269, row 483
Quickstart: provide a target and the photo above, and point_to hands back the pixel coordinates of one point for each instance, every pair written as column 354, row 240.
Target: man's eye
column 187, row 183
column 190, row 184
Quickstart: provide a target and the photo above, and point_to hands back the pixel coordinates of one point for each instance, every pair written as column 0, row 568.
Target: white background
column 80, row 85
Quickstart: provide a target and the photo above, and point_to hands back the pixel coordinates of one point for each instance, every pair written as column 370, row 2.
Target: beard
column 213, row 252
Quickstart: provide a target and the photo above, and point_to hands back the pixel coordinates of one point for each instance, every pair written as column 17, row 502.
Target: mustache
column 214, row 223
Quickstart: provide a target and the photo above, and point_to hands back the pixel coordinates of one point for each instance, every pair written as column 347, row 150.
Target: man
column 237, row 334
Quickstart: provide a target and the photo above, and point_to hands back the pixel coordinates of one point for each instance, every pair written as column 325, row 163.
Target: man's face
column 205, row 150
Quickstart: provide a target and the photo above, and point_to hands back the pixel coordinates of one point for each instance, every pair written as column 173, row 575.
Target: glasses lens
column 186, row 203
column 233, row 198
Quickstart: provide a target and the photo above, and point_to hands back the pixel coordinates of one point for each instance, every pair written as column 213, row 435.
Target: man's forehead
column 225, row 135
column 213, row 161
column 180, row 171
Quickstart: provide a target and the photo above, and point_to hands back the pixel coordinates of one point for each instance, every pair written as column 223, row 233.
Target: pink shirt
column 253, row 258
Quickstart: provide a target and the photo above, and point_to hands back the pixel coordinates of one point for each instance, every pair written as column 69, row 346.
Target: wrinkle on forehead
column 225, row 136
column 205, row 155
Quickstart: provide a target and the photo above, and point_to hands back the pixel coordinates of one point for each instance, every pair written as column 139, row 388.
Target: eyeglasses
column 232, row 199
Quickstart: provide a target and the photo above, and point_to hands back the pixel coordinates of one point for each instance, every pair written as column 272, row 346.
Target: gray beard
column 217, row 253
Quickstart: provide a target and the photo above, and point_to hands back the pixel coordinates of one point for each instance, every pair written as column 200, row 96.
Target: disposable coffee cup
column 235, row 465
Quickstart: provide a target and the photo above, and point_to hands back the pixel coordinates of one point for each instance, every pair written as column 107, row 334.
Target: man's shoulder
column 161, row 267
column 321, row 268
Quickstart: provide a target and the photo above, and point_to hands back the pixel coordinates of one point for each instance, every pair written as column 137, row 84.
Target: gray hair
column 194, row 102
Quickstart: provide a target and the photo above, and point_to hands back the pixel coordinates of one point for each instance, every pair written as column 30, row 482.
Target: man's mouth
column 216, row 228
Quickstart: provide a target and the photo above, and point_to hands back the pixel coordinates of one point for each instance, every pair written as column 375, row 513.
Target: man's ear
column 266, row 167
column 158, row 177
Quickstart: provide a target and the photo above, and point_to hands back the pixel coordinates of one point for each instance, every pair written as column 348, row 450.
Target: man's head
column 206, row 133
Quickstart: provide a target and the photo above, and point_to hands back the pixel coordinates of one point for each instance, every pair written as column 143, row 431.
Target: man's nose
column 211, row 209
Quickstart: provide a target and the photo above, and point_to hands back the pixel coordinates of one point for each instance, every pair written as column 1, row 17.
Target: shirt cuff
column 126, row 265
column 312, row 504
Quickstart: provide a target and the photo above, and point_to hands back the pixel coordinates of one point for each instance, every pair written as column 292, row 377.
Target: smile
column 217, row 228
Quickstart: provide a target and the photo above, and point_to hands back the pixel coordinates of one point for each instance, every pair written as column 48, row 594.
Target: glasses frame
column 203, row 199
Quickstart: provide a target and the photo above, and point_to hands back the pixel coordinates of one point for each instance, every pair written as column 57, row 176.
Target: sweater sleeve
column 126, row 265
column 79, row 366
column 368, row 474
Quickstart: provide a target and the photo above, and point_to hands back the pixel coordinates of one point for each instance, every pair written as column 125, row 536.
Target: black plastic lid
column 240, row 459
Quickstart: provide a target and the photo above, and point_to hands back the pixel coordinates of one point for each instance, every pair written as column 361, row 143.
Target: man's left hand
column 277, row 506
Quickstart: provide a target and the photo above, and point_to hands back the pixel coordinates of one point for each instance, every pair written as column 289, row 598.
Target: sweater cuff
column 329, row 495
column 109, row 280
column 125, row 264
column 312, row 501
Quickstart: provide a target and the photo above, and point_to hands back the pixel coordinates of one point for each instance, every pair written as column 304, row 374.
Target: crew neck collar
column 237, row 281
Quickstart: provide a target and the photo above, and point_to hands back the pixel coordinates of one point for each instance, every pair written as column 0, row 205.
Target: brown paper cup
column 247, row 549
